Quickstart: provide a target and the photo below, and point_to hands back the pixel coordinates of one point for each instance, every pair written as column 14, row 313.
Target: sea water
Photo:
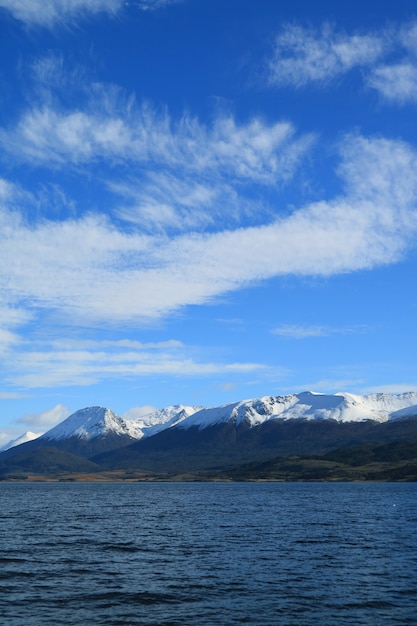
column 287, row 554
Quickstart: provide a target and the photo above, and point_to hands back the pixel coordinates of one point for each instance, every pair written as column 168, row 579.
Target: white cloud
column 302, row 332
column 164, row 175
column 387, row 59
column 45, row 419
column 7, row 190
column 167, row 202
column 53, row 369
column 408, row 37
column 393, row 388
column 152, row 5
column 7, row 339
column 49, row 12
column 11, row 395
column 69, row 362
column 330, row 385
column 396, row 83
column 87, row 269
column 118, row 344
column 257, row 150
column 5, row 438
column 138, row 412
column 304, row 55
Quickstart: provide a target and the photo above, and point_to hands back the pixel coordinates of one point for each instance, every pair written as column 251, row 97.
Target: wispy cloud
column 333, row 385
column 138, row 412
column 396, row 83
column 11, row 395
column 393, row 388
column 294, row 331
column 162, row 174
column 88, row 269
column 256, row 150
column 304, row 55
column 387, row 59
column 152, row 5
column 118, row 344
column 84, row 362
column 49, row 13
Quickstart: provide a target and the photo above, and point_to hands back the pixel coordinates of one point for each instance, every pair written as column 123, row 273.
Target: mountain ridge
column 341, row 406
column 196, row 438
column 92, row 422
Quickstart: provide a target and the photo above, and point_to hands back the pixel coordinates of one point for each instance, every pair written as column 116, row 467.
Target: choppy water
column 202, row 553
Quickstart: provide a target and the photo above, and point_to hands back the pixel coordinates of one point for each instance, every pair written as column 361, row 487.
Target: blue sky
column 203, row 201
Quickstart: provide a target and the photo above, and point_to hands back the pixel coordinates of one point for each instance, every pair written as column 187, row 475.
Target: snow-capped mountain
column 27, row 436
column 271, row 421
column 342, row 407
column 89, row 431
column 93, row 422
column 264, row 428
column 156, row 421
column 96, row 421
column 183, row 438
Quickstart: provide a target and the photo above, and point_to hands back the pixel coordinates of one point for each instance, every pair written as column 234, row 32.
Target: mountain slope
column 46, row 460
column 227, row 444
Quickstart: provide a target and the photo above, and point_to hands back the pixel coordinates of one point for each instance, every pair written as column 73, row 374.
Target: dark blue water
column 202, row 553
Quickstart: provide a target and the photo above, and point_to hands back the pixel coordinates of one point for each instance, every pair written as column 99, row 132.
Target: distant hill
column 45, row 461
column 396, row 461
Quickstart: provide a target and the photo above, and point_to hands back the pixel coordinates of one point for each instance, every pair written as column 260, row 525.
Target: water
column 287, row 554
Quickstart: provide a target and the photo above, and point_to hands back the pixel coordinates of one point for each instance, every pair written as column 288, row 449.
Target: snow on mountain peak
column 93, row 422
column 28, row 436
column 342, row 407
column 153, row 423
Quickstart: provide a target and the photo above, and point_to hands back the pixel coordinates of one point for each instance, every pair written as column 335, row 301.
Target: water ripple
column 189, row 554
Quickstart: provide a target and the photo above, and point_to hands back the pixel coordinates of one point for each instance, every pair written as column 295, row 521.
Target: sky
column 203, row 201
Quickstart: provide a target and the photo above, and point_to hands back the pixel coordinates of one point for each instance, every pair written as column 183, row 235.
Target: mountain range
column 181, row 439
